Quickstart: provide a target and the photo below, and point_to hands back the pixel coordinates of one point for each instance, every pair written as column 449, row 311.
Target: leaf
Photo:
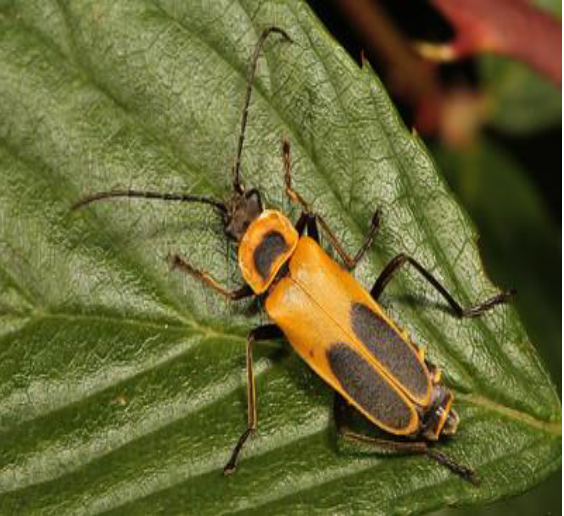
column 122, row 384
column 520, row 246
column 519, row 241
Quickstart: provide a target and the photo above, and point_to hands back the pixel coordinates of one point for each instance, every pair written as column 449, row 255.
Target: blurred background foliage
column 491, row 116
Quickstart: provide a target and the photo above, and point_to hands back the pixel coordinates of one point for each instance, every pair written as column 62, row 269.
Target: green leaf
column 122, row 384
column 519, row 241
column 520, row 246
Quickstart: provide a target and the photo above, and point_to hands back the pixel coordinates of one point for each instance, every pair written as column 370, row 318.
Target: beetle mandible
column 345, row 337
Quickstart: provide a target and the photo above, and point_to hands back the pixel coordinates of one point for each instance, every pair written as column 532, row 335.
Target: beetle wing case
column 267, row 244
column 336, row 327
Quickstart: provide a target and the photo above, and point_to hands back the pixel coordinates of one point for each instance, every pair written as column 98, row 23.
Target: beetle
column 336, row 326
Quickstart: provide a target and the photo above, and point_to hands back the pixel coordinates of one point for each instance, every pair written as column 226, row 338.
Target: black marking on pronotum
column 368, row 388
column 389, row 349
column 271, row 246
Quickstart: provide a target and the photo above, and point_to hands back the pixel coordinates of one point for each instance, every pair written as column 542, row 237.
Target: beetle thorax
column 268, row 243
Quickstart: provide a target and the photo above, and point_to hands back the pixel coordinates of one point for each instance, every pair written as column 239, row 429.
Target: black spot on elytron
column 367, row 387
column 389, row 349
column 271, row 246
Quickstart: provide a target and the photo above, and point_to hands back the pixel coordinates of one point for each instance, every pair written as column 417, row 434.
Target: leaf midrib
column 547, row 426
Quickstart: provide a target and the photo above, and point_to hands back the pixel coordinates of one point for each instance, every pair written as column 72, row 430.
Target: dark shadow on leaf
column 421, row 303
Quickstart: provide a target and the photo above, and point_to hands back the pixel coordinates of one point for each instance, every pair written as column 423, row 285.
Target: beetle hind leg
column 398, row 447
column 265, row 332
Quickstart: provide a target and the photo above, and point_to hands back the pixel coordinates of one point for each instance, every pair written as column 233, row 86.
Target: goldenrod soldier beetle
column 345, row 337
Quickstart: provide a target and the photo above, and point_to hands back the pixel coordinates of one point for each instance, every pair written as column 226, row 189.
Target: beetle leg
column 398, row 447
column 307, row 221
column 340, row 408
column 176, row 262
column 349, row 262
column 311, row 219
column 265, row 332
column 301, row 224
column 401, row 259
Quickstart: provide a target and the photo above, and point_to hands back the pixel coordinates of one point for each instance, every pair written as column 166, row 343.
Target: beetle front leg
column 311, row 219
column 176, row 262
column 266, row 332
column 402, row 259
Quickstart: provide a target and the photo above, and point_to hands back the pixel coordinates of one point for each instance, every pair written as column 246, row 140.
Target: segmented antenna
column 250, row 76
column 98, row 196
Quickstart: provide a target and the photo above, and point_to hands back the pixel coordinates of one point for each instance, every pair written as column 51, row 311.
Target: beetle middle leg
column 265, row 332
column 311, row 219
column 340, row 408
column 473, row 311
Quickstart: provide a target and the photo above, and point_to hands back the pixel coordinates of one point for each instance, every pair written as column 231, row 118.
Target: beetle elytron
column 335, row 325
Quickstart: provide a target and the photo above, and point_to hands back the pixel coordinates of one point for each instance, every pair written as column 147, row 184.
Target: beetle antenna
column 250, row 76
column 462, row 471
column 148, row 195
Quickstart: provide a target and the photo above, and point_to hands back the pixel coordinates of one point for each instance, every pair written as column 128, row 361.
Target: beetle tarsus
column 500, row 299
column 231, row 466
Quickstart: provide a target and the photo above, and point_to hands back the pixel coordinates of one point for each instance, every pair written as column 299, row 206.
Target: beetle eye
column 254, row 203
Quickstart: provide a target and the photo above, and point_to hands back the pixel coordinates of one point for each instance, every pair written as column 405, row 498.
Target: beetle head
column 242, row 209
